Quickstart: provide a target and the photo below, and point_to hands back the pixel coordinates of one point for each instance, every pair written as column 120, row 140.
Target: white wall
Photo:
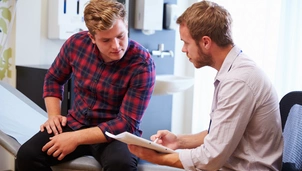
column 32, row 45
column 182, row 102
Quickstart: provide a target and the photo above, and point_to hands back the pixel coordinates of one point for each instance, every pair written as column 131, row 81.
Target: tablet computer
column 129, row 138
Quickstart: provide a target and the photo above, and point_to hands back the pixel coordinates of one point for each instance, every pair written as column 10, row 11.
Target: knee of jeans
column 26, row 153
column 22, row 157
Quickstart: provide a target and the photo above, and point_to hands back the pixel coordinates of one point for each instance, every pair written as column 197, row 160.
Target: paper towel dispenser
column 170, row 16
column 65, row 18
column 149, row 15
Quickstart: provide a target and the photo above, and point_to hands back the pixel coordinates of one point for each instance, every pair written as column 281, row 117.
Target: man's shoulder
column 78, row 40
column 137, row 52
column 79, row 36
column 136, row 48
column 136, row 45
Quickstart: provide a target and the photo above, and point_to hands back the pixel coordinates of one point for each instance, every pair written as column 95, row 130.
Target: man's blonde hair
column 102, row 14
column 207, row 18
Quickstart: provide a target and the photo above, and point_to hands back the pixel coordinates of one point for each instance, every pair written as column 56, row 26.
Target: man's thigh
column 33, row 148
column 114, row 153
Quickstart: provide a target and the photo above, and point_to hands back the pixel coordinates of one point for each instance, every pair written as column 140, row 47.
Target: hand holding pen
column 156, row 139
column 165, row 138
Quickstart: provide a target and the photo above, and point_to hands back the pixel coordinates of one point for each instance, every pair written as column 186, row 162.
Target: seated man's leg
column 114, row 156
column 31, row 157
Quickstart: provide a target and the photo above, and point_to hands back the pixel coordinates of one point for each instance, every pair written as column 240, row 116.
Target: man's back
column 256, row 116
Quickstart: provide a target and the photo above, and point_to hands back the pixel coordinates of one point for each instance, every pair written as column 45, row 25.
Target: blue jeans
column 113, row 156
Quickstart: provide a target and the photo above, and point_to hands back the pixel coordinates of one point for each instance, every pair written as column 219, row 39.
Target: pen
column 155, row 140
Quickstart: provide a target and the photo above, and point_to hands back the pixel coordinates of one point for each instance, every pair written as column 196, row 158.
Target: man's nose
column 115, row 43
column 184, row 49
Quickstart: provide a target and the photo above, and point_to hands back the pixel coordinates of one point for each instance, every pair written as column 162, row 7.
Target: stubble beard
column 203, row 60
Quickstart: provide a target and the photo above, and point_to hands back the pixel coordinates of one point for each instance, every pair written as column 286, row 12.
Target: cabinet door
column 30, row 80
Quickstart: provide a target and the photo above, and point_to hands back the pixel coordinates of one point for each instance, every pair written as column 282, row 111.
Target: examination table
column 20, row 118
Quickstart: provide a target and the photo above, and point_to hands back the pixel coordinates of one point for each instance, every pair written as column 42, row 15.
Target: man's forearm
column 191, row 141
column 90, row 136
column 173, row 160
column 53, row 106
column 168, row 160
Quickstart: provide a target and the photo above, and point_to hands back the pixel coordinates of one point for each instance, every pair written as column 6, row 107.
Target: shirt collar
column 228, row 62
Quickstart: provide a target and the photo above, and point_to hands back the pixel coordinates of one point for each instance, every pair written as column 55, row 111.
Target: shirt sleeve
column 230, row 117
column 58, row 74
column 186, row 160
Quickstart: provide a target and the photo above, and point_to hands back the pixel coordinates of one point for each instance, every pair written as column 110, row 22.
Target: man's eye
column 106, row 40
column 120, row 37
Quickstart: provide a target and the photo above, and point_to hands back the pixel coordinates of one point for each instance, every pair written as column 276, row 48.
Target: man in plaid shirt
column 113, row 79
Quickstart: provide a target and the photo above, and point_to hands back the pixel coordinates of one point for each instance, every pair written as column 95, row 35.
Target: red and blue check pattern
column 112, row 96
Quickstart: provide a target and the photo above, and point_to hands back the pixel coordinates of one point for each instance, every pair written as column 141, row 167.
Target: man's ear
column 91, row 37
column 205, row 42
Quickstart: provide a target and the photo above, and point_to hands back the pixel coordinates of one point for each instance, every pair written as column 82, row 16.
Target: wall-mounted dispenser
column 171, row 15
column 65, row 18
column 149, row 15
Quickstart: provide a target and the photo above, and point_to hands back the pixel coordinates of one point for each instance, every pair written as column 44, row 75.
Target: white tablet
column 129, row 138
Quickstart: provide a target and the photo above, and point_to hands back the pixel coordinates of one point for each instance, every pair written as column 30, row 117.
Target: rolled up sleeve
column 186, row 160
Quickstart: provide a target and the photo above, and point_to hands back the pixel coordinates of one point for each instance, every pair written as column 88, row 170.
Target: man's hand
column 166, row 138
column 54, row 124
column 144, row 153
column 61, row 144
column 171, row 159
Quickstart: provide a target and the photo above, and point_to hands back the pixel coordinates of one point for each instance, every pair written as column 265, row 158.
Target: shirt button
column 95, row 81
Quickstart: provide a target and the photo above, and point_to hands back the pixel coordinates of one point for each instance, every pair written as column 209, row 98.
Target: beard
column 203, row 60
